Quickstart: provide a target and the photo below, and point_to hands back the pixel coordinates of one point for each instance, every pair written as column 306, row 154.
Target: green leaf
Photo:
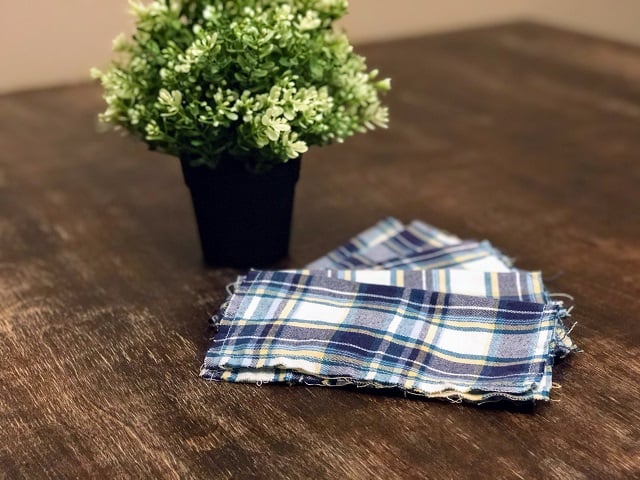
column 262, row 76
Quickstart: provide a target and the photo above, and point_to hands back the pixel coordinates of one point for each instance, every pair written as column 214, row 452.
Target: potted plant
column 239, row 90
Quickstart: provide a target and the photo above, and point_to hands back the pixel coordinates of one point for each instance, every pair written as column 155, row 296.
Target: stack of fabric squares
column 399, row 306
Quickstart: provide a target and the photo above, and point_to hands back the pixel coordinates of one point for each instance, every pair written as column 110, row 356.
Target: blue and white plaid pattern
column 393, row 238
column 337, row 332
column 430, row 235
column 380, row 232
column 389, row 245
column 415, row 237
column 465, row 255
column 513, row 285
column 373, row 260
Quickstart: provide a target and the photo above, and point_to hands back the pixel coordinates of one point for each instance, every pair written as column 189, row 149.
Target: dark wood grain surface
column 522, row 134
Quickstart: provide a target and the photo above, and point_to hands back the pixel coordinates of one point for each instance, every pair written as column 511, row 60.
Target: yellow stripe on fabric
column 495, row 287
column 537, row 284
column 442, row 279
column 286, row 311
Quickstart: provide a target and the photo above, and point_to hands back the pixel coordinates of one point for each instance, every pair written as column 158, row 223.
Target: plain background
column 51, row 42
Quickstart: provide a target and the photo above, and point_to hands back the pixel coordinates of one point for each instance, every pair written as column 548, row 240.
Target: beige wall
column 49, row 42
column 382, row 19
column 615, row 19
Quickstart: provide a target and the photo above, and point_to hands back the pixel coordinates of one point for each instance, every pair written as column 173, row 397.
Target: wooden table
column 522, row 134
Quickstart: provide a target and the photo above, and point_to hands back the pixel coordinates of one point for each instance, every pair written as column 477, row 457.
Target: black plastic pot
column 244, row 219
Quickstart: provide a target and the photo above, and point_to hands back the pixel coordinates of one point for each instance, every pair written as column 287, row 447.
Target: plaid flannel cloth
column 388, row 245
column 391, row 245
column 381, row 231
column 392, row 240
column 513, row 285
column 466, row 255
column 283, row 326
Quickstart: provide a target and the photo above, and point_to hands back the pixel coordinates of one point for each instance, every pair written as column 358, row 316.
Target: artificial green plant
column 260, row 80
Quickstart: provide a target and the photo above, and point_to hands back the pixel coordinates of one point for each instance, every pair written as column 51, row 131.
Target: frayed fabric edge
column 450, row 395
column 562, row 343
